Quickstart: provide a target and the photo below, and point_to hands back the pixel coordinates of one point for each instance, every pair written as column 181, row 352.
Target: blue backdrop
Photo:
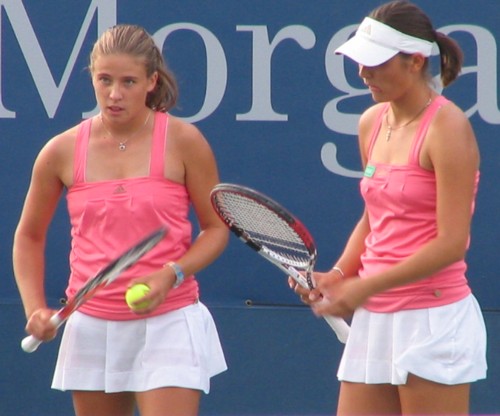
column 280, row 110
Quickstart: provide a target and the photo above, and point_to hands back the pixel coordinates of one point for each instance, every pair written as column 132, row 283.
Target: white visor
column 375, row 43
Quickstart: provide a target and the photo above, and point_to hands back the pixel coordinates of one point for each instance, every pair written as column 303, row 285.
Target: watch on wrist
column 179, row 274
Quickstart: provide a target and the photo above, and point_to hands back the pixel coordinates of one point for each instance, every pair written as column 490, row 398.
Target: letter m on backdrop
column 49, row 89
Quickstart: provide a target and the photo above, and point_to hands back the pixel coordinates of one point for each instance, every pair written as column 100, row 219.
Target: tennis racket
column 274, row 233
column 101, row 279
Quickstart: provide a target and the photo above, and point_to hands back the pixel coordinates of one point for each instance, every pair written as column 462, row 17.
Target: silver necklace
column 390, row 128
column 122, row 144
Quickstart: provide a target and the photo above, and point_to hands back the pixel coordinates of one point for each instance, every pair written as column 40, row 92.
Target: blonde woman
column 127, row 171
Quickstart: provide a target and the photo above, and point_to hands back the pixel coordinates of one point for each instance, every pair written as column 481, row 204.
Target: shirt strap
column 81, row 147
column 429, row 114
column 159, row 144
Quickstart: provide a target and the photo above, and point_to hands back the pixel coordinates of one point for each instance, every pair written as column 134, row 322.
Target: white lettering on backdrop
column 261, row 109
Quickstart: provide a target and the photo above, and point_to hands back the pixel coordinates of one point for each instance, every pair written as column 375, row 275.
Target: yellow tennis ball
column 135, row 293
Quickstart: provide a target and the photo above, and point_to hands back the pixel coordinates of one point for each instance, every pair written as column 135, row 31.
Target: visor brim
column 365, row 52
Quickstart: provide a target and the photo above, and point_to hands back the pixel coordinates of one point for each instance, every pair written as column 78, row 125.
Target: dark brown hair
column 135, row 41
column 408, row 18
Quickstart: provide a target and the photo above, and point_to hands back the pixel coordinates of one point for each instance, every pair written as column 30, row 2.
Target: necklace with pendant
column 390, row 128
column 122, row 144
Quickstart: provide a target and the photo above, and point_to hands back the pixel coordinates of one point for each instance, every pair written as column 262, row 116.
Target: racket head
column 264, row 224
column 112, row 271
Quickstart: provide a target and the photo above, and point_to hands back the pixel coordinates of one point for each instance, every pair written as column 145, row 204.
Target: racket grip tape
column 339, row 326
column 31, row 343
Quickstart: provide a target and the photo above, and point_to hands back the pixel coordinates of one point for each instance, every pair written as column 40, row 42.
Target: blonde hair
column 133, row 40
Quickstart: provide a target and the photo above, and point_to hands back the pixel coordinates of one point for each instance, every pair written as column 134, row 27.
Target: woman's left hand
column 340, row 297
column 159, row 284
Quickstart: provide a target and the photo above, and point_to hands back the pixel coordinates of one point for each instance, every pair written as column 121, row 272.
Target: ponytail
column 408, row 18
column 451, row 56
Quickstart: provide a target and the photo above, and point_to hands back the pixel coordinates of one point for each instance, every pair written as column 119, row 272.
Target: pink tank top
column 401, row 206
column 108, row 217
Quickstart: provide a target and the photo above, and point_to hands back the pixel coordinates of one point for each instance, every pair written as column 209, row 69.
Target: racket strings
column 265, row 227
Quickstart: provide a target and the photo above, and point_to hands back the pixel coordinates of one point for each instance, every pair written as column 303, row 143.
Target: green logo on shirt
column 369, row 171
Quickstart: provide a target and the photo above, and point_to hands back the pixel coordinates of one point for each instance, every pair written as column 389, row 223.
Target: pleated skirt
column 446, row 344
column 178, row 349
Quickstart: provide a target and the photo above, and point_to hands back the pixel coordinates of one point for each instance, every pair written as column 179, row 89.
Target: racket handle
column 339, row 326
column 31, row 343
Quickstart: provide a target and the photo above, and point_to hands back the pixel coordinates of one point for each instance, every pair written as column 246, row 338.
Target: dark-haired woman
column 418, row 338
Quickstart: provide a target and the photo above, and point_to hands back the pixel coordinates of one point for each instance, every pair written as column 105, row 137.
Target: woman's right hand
column 39, row 324
column 307, row 296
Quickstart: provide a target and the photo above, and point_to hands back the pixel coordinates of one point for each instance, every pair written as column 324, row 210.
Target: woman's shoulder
column 449, row 118
column 55, row 159
column 451, row 135
column 368, row 119
column 448, row 111
column 179, row 125
column 186, row 143
column 183, row 134
column 62, row 142
column 371, row 113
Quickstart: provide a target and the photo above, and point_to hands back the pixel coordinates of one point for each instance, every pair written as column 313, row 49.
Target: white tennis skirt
column 446, row 344
column 177, row 349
